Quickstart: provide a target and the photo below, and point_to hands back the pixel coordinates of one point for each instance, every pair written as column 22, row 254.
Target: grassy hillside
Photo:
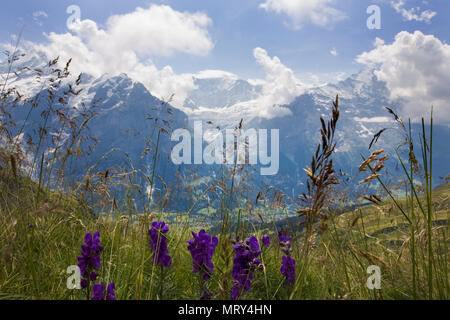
column 42, row 236
column 45, row 221
column 386, row 222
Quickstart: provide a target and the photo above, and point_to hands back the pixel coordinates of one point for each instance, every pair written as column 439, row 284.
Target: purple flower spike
column 283, row 237
column 206, row 295
column 158, row 243
column 287, row 263
column 83, row 283
column 288, row 270
column 110, row 292
column 202, row 250
column 234, row 293
column 244, row 263
column 89, row 261
column 253, row 243
column 99, row 291
column 265, row 241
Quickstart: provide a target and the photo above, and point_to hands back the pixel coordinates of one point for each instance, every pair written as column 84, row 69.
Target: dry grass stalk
column 321, row 174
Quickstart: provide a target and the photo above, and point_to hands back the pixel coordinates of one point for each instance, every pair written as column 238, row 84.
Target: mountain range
column 128, row 114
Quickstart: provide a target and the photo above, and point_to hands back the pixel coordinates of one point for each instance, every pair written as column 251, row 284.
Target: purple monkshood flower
column 99, row 291
column 288, row 270
column 89, row 261
column 158, row 243
column 244, row 263
column 202, row 250
column 283, row 237
column 287, row 263
column 265, row 241
column 206, row 295
column 110, row 291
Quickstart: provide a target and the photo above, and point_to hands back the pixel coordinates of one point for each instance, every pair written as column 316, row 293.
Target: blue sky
column 238, row 26
column 285, row 45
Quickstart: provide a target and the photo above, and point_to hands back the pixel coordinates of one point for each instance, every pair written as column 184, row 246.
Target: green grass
column 38, row 244
column 386, row 222
column 43, row 221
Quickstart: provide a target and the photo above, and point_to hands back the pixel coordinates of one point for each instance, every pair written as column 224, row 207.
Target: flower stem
column 161, row 283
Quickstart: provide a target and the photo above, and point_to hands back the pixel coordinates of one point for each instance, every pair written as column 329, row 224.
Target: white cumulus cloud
column 301, row 12
column 416, row 69
column 127, row 44
column 413, row 13
column 280, row 86
column 157, row 30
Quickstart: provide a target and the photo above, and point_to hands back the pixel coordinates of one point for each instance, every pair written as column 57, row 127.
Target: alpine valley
column 128, row 117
